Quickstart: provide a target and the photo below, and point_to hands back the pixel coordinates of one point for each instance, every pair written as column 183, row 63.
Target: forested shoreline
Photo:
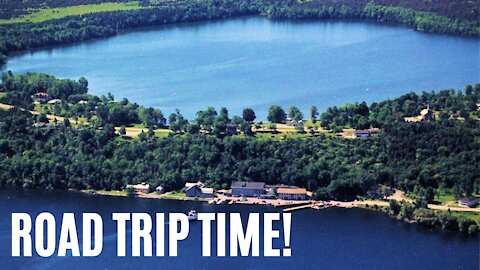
column 442, row 155
column 459, row 18
column 426, row 158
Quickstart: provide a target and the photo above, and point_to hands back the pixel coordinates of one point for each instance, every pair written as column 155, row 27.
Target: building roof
column 191, row 184
column 207, row 190
column 468, row 199
column 291, row 191
column 362, row 131
column 425, row 112
column 247, row 185
column 54, row 101
column 139, row 186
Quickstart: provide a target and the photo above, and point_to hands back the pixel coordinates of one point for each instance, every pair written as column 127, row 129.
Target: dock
column 298, row 207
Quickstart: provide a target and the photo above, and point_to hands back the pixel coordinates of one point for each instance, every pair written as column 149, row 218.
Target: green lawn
column 107, row 192
column 47, row 14
column 2, row 94
column 468, row 215
column 443, row 199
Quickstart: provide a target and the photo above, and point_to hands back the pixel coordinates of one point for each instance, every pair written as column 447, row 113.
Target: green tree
column 314, row 114
column 249, row 115
column 276, row 114
column 294, row 113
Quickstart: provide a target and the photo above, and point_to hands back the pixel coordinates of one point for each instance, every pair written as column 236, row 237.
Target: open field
column 41, row 15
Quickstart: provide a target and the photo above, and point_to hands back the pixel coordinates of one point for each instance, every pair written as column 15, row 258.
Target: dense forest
column 423, row 157
column 453, row 17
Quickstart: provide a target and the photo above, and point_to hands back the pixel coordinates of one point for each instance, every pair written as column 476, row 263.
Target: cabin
column 198, row 191
column 362, row 133
column 292, row 193
column 159, row 190
column 247, row 189
column 468, row 201
column 426, row 114
column 41, row 97
column 82, row 102
column 140, row 188
column 294, row 123
column 231, row 129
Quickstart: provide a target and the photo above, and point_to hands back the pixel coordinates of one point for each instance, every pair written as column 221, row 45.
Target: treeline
column 361, row 116
column 440, row 19
column 64, row 157
column 75, row 102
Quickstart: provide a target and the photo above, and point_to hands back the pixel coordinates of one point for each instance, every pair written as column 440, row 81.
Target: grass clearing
column 468, row 215
column 106, row 192
column 444, row 199
column 47, row 14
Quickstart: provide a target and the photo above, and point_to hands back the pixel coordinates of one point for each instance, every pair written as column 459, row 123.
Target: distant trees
column 151, row 117
column 276, row 114
column 177, row 122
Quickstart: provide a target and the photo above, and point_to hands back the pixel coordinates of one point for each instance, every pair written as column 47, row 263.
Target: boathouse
column 247, row 189
column 292, row 193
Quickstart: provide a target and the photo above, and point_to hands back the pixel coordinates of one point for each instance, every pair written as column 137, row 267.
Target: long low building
column 248, row 189
column 292, row 193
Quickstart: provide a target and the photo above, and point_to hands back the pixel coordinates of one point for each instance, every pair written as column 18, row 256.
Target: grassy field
column 106, row 192
column 47, row 14
column 468, row 215
column 444, row 199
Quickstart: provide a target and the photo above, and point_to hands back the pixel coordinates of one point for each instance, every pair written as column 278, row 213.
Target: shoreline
column 219, row 200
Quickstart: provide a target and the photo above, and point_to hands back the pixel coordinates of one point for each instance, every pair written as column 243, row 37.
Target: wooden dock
column 298, row 207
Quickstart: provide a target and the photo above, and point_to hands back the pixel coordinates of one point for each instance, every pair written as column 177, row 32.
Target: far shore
column 314, row 204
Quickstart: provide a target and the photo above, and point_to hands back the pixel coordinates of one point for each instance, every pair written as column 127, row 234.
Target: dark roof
column 468, row 199
column 248, row 185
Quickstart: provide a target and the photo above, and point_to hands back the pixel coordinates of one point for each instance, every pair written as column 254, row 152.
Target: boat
column 192, row 215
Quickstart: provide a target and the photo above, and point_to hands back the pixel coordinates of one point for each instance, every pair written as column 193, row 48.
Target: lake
column 325, row 239
column 255, row 62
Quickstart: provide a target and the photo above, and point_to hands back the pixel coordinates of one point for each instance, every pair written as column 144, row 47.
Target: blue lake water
column 326, row 239
column 255, row 62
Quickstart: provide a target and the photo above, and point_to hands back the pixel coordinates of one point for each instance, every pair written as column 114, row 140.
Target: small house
column 159, row 190
column 82, row 102
column 41, row 97
column 198, row 191
column 468, row 201
column 362, row 133
column 426, row 114
column 247, row 189
column 292, row 193
column 294, row 123
column 374, row 131
column 140, row 188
